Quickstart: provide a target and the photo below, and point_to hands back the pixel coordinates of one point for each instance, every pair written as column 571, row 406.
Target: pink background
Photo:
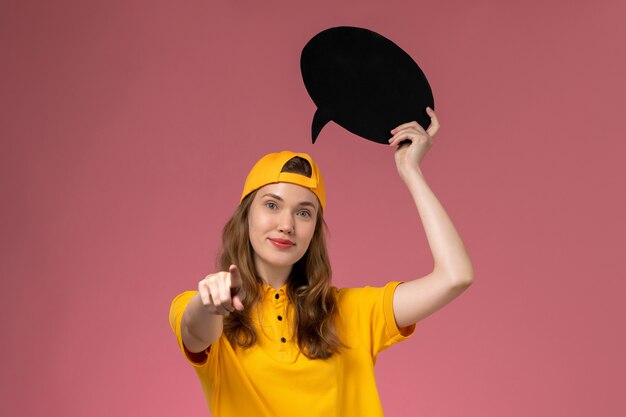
column 127, row 130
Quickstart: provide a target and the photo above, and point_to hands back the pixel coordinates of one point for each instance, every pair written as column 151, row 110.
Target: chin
column 282, row 261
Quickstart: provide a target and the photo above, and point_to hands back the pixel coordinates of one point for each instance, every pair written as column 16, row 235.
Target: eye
column 304, row 213
column 270, row 205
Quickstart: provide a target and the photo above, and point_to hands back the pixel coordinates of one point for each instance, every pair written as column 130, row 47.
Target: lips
column 282, row 243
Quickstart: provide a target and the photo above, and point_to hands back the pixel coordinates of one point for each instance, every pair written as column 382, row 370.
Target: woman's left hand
column 408, row 156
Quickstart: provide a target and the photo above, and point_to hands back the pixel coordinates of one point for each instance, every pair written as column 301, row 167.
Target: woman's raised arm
column 453, row 271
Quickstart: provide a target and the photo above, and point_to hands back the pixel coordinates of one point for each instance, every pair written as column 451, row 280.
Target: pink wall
column 128, row 127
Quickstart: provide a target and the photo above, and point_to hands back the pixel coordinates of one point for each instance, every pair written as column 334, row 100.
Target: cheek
column 257, row 225
column 252, row 228
column 308, row 233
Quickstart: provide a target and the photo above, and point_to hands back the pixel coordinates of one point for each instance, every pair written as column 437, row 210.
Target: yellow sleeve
column 393, row 333
column 369, row 317
column 176, row 316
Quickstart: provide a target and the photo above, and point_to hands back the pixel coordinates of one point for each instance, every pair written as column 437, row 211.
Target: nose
column 286, row 224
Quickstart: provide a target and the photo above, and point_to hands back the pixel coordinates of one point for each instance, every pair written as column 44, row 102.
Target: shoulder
column 348, row 298
column 366, row 291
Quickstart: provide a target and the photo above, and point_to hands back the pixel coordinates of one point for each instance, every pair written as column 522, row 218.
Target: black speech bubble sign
column 363, row 82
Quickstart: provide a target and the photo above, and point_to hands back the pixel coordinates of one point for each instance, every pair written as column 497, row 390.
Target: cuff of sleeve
column 396, row 334
column 177, row 310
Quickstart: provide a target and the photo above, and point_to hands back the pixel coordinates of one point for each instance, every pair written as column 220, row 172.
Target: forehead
column 291, row 193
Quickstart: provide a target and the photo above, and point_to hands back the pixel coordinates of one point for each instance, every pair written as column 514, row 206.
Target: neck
column 275, row 277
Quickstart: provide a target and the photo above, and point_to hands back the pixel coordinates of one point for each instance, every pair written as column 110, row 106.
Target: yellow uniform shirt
column 273, row 378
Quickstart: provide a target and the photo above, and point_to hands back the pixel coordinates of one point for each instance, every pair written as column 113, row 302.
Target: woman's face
column 281, row 224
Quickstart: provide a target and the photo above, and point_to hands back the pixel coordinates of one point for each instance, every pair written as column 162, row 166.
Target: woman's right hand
column 220, row 292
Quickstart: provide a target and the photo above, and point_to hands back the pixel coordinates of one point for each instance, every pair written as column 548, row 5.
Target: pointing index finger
column 235, row 285
column 235, row 278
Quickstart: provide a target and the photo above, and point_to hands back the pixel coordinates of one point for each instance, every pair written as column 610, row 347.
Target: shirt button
column 280, row 318
column 282, row 339
column 277, row 296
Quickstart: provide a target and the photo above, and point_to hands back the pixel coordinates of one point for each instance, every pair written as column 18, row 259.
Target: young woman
column 268, row 335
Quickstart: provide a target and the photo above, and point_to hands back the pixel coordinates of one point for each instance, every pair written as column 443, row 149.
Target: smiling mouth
column 282, row 243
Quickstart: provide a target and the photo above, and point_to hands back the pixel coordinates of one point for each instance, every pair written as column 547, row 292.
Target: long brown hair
column 308, row 286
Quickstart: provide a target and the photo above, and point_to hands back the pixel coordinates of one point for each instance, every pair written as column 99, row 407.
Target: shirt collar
column 269, row 291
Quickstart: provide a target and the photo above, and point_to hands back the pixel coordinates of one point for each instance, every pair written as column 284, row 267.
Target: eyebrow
column 279, row 198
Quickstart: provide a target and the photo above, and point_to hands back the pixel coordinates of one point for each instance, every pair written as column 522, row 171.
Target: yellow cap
column 268, row 171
